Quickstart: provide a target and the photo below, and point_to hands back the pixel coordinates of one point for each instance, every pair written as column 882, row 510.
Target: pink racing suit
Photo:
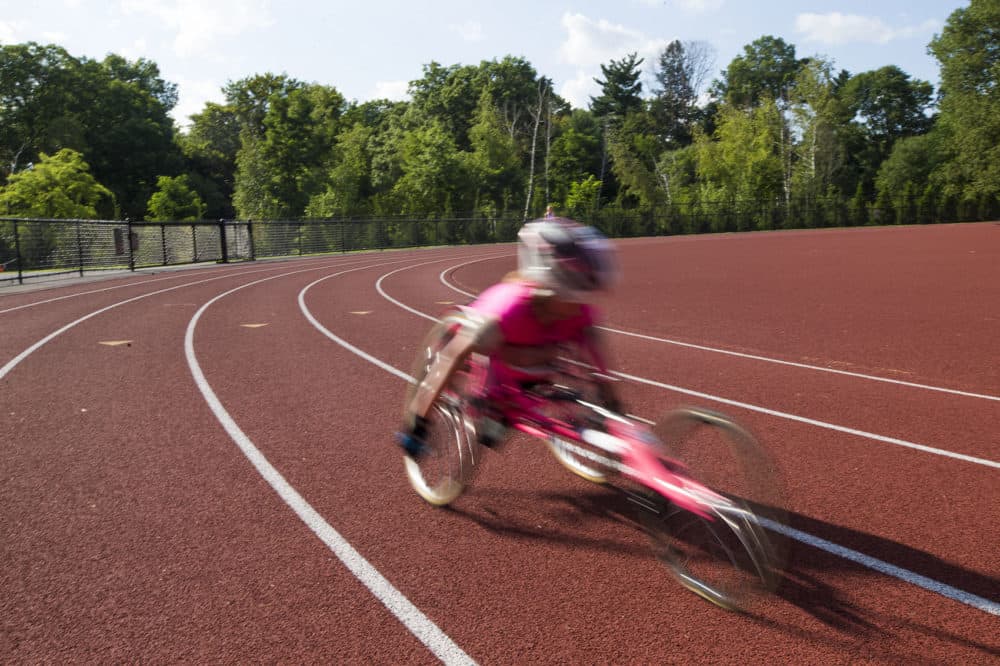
column 511, row 303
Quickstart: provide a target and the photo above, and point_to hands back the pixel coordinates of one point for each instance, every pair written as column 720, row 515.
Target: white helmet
column 566, row 257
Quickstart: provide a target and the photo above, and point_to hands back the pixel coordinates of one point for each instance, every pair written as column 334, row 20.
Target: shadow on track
column 581, row 521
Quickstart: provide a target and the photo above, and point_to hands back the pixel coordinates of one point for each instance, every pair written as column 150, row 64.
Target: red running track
column 223, row 487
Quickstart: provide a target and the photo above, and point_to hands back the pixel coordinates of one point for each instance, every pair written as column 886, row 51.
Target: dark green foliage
column 621, row 89
column 785, row 142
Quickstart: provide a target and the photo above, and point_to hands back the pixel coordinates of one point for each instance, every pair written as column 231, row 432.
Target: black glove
column 609, row 397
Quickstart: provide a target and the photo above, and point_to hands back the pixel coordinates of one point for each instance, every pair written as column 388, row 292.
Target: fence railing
column 38, row 249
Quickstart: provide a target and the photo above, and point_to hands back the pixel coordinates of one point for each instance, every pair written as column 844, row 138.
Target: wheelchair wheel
column 727, row 557
column 440, row 474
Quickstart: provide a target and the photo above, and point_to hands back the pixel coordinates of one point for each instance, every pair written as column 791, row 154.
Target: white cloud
column 53, row 37
column 200, row 23
column 393, row 90
column 137, row 49
column 470, row 31
column 9, row 31
column 590, row 43
column 687, row 6
column 698, row 6
column 192, row 97
column 578, row 90
column 836, row 28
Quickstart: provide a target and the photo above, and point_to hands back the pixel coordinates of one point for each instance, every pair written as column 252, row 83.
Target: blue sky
column 373, row 48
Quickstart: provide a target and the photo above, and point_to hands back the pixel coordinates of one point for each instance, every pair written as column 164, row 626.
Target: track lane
column 38, row 315
column 816, row 297
column 969, row 421
column 351, row 290
column 152, row 529
column 547, row 523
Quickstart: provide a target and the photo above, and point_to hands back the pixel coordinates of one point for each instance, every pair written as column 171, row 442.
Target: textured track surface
column 220, row 484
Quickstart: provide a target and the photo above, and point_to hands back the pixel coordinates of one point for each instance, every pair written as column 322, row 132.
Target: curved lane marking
column 97, row 291
column 765, row 410
column 880, row 566
column 929, row 584
column 813, row 422
column 754, row 357
column 412, row 617
column 428, row 633
column 10, row 365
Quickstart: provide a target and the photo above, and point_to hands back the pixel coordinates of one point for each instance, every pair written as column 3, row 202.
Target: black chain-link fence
column 40, row 249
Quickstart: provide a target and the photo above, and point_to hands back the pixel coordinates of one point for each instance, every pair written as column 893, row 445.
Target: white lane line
column 179, row 274
column 428, row 633
column 378, row 283
column 765, row 359
column 806, row 366
column 813, row 422
column 755, row 408
column 137, row 283
column 929, row 584
column 10, row 365
column 899, row 573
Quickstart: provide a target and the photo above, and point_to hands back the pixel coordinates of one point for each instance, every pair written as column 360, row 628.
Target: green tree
column 680, row 71
column 209, row 147
column 575, row 153
column 678, row 170
column 348, row 184
column 621, row 89
column 634, row 147
column 766, row 70
column 913, row 160
column 282, row 162
column 744, row 162
column 448, row 96
column 36, row 91
column 175, row 199
column 129, row 136
column 494, row 164
column 432, row 176
column 114, row 112
column 818, row 115
column 250, row 98
column 385, row 149
column 889, row 105
column 968, row 50
column 513, row 84
column 582, row 197
column 58, row 186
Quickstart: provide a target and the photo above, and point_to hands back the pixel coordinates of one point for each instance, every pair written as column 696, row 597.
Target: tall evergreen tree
column 680, row 70
column 621, row 89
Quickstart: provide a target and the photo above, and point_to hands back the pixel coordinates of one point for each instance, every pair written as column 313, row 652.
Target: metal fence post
column 79, row 247
column 163, row 242
column 131, row 244
column 253, row 252
column 194, row 244
column 222, row 240
column 17, row 251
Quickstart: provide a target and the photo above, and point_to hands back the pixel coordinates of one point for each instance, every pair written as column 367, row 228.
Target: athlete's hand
column 609, row 396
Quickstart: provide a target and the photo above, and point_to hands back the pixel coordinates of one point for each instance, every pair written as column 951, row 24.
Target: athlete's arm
column 480, row 335
column 594, row 343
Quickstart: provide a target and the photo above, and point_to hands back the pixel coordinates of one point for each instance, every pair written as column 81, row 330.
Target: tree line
column 85, row 138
